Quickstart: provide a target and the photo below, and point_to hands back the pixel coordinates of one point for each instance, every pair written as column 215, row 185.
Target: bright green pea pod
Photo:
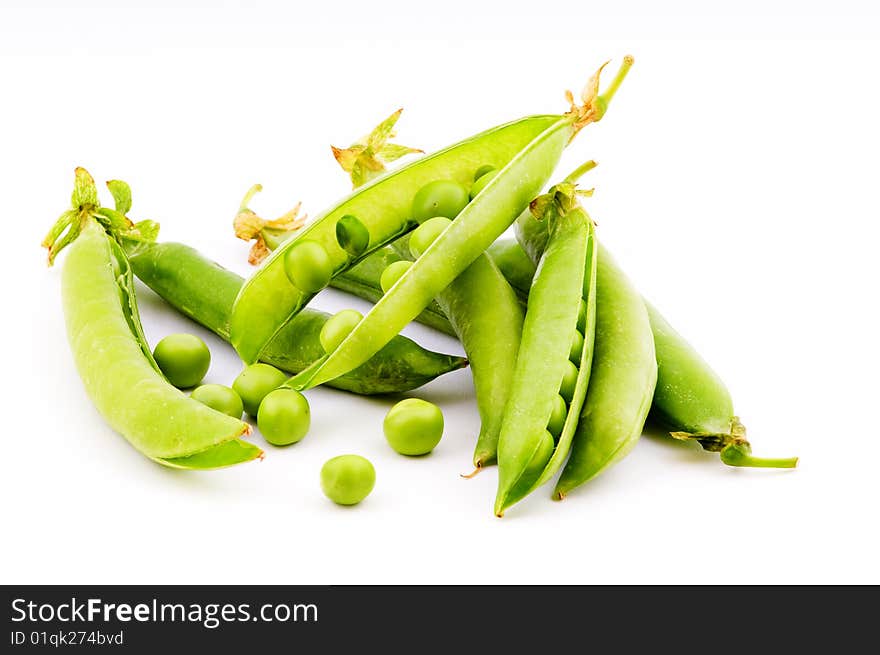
column 268, row 300
column 514, row 264
column 621, row 383
column 566, row 274
column 524, row 151
column 113, row 358
column 205, row 292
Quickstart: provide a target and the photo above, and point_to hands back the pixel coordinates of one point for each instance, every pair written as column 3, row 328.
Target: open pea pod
column 466, row 238
column 524, row 151
column 382, row 208
column 564, row 287
column 112, row 355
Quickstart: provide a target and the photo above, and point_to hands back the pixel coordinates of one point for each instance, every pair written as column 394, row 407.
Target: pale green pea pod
column 112, row 356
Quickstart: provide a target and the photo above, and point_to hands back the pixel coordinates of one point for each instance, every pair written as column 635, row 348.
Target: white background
column 737, row 185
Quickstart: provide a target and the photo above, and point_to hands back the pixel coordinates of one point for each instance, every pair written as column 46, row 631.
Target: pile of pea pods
column 568, row 360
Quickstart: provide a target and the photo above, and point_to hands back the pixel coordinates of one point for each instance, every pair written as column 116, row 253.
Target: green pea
column 221, row 398
column 183, row 359
column 582, row 316
column 308, row 266
column 439, row 198
column 426, row 233
column 569, row 380
column 481, row 182
column 482, row 170
column 284, row 417
column 414, row 426
column 557, row 417
column 577, row 347
column 393, row 273
column 338, row 327
column 347, row 479
column 255, row 382
column 352, row 235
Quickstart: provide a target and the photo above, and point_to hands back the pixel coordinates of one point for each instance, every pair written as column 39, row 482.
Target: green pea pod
column 565, row 276
column 499, row 203
column 112, row 356
column 524, row 151
column 205, row 292
column 621, row 383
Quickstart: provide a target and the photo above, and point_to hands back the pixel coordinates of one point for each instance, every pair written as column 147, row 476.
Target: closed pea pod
column 111, row 354
column 478, row 225
column 525, row 153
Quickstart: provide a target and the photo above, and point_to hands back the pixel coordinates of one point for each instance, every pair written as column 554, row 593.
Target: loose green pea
column 308, row 266
column 393, row 273
column 255, row 382
column 557, row 417
column 338, row 327
column 183, row 359
column 481, row 182
column 482, row 170
column 219, row 397
column 582, row 316
column 439, row 198
column 414, row 426
column 569, row 380
column 284, row 417
column 426, row 233
column 347, row 479
column 577, row 347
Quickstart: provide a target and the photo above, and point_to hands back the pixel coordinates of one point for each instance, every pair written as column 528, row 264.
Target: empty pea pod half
column 109, row 348
column 565, row 278
column 524, row 165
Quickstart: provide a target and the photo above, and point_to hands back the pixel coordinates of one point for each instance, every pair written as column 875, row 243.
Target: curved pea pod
column 566, row 276
column 694, row 402
column 113, row 358
column 205, row 292
column 524, row 151
column 622, row 381
column 514, row 264
column 383, row 207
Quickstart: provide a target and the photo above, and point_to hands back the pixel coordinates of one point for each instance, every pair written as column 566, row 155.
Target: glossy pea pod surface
column 205, row 292
column 119, row 375
column 383, row 207
column 565, row 279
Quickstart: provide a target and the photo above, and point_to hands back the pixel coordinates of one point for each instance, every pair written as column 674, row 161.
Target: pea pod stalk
column 110, row 350
column 524, row 166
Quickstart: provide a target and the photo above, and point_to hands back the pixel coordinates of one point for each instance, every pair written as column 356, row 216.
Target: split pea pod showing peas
column 565, row 279
column 111, row 354
column 523, row 169
column 489, row 331
column 524, row 151
column 205, row 292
